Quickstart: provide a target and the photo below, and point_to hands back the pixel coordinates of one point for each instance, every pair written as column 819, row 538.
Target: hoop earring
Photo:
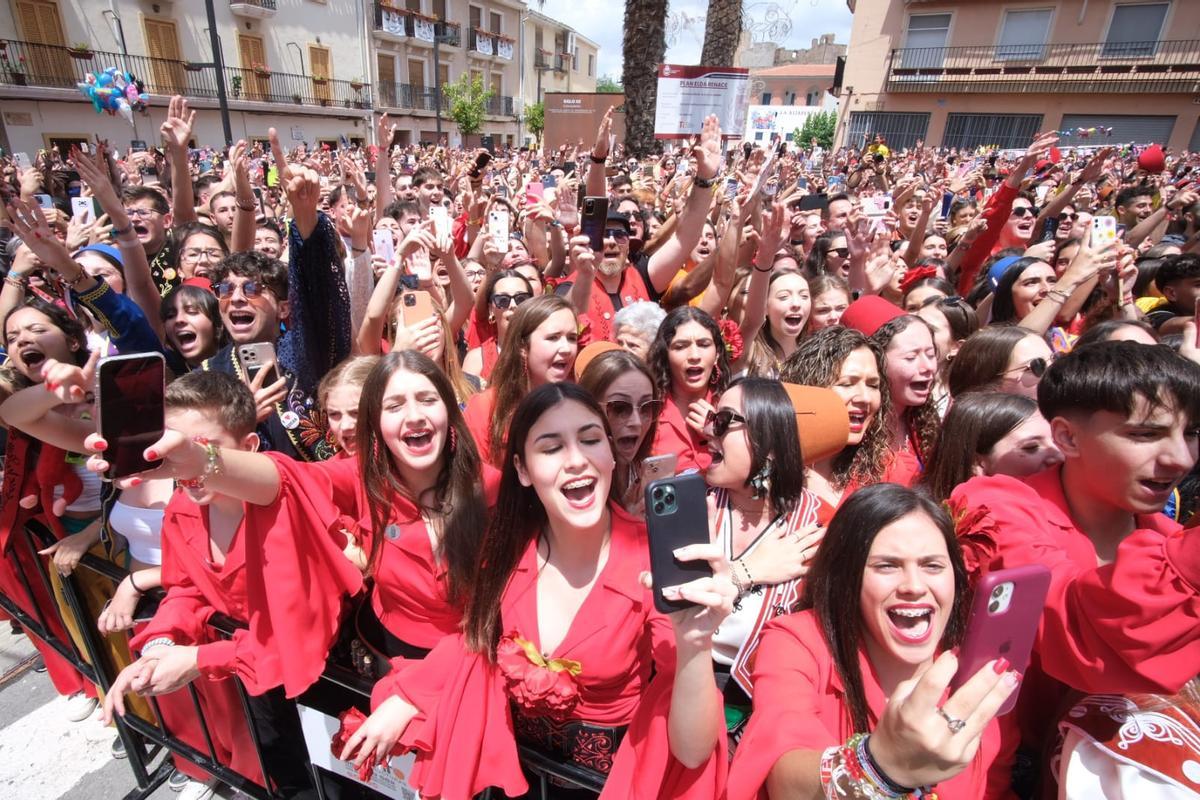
column 760, row 484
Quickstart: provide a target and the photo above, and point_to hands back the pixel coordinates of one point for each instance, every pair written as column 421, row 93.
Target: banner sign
column 686, row 95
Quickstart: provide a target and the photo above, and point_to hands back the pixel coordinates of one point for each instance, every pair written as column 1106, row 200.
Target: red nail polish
column 1001, row 665
column 135, row 481
column 151, row 455
column 101, row 446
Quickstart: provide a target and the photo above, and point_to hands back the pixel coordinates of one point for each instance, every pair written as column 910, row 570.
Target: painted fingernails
column 135, row 481
column 1001, row 665
column 100, row 446
column 152, row 455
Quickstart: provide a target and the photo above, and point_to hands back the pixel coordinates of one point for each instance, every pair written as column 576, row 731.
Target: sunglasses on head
column 250, row 289
column 1023, row 211
column 719, row 421
column 621, row 410
column 503, row 301
column 1036, row 366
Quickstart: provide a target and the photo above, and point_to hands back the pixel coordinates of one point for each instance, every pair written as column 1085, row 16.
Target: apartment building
column 299, row 65
column 971, row 73
column 417, row 46
column 555, row 58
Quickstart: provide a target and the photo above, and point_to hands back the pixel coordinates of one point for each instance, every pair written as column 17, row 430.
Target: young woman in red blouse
column 539, row 347
column 852, row 690
column 562, row 648
column 846, row 361
column 502, row 293
column 691, row 366
column 911, row 363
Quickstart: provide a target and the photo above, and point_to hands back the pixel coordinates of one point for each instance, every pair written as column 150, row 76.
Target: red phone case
column 1009, row 634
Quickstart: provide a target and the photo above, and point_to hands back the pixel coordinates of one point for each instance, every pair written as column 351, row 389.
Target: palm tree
column 644, row 48
column 722, row 30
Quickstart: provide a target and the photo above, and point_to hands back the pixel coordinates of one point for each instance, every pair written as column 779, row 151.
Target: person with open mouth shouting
column 911, row 363
column 850, row 693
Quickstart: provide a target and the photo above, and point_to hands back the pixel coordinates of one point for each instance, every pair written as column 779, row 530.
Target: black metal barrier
column 144, row 740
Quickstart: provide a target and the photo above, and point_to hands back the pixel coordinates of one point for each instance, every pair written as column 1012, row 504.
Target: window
column 901, row 130
column 1024, row 34
column 1125, row 128
column 766, row 98
column 925, row 41
column 1005, row 131
column 591, row 65
column 1134, row 30
column 495, row 23
column 813, row 98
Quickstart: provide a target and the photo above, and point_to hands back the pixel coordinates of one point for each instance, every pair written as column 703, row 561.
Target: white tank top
column 142, row 529
column 89, row 495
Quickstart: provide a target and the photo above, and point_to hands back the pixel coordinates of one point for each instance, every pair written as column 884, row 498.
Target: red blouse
column 478, row 415
column 1126, row 627
column 490, row 353
column 800, row 704
column 463, row 733
column 673, row 435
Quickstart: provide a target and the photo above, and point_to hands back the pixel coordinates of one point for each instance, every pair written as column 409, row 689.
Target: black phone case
column 594, row 217
column 688, row 524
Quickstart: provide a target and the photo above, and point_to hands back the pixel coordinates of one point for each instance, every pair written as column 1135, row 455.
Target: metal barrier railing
column 135, row 731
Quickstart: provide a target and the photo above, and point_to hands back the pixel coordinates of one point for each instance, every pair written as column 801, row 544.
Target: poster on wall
column 686, row 95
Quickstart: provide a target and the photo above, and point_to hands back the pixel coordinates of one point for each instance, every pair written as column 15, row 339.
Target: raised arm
column 385, row 192
column 176, row 133
column 597, row 182
column 244, row 222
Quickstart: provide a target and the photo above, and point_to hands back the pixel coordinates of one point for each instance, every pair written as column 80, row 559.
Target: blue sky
column 600, row 20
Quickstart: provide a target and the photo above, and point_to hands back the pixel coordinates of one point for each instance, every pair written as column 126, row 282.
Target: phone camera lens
column 670, row 498
column 998, row 591
column 657, row 493
column 993, row 607
column 410, row 300
column 658, row 508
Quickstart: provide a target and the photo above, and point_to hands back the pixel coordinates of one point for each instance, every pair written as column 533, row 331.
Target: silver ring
column 955, row 725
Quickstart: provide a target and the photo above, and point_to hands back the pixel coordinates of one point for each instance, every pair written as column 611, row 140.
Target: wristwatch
column 704, row 183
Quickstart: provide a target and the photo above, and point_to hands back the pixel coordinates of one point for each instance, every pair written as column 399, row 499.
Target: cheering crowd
column 415, row 396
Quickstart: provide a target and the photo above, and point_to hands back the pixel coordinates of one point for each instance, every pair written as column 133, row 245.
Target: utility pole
column 437, row 81
column 218, row 65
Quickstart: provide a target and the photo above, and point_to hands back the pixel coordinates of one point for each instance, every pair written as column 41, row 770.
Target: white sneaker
column 197, row 790
column 80, row 707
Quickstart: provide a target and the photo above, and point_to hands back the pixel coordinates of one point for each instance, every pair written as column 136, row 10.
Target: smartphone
column 254, row 358
column 813, row 202
column 534, row 192
column 593, row 221
column 44, row 201
column 1104, row 231
column 129, row 399
column 83, row 209
column 385, row 246
column 802, row 182
column 676, row 515
column 481, row 161
column 416, row 306
column 502, row 191
column 657, row 467
column 22, row 160
column 947, row 201
column 877, row 205
column 441, row 220
column 498, row 227
column 420, row 265
column 549, row 181
column 1003, row 621
column 1049, row 230
column 731, row 187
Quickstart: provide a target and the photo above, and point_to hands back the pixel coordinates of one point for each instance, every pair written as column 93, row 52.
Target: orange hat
column 822, row 419
column 589, row 353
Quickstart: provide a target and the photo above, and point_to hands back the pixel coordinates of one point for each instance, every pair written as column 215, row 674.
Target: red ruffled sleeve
column 1129, row 626
column 462, row 734
column 478, row 416
column 297, row 581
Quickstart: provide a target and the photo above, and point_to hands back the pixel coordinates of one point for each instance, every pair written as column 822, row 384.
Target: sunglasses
column 616, row 234
column 1023, row 211
column 1037, row 366
column 719, row 421
column 621, row 410
column 840, row 252
column 503, row 301
column 1068, row 217
column 250, row 289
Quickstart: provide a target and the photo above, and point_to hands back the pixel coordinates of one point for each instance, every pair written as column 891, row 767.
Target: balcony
column 562, row 62
column 400, row 24
column 542, row 59
column 500, row 105
column 253, row 9
column 482, row 43
column 409, row 96
column 1125, row 67
column 52, row 67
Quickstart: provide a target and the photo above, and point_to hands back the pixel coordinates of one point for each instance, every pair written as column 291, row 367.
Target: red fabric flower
column 732, row 335
column 543, row 688
column 976, row 531
column 351, row 720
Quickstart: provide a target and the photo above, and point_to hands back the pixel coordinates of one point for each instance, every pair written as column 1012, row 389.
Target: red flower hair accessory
column 543, row 688
column 732, row 334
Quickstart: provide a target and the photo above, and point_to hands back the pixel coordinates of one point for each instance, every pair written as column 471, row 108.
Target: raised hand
column 708, row 150
column 177, row 129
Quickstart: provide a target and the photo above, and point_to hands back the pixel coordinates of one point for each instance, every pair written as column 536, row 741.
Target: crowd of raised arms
column 897, row 371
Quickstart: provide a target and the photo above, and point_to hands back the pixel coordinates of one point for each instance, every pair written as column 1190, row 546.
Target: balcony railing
column 1160, row 66
column 542, row 59
column 49, row 66
column 500, row 105
column 401, row 22
column 404, row 95
column 562, row 63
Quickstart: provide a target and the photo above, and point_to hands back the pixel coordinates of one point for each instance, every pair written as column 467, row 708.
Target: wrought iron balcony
column 500, row 105
column 53, row 67
column 254, row 9
column 401, row 23
column 1159, row 66
column 542, row 59
column 405, row 95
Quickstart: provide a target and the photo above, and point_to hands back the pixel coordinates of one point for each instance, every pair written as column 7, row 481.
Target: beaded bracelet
column 848, row 772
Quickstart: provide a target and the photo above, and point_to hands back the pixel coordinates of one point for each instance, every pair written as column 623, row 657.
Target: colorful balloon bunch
column 115, row 92
column 1086, row 133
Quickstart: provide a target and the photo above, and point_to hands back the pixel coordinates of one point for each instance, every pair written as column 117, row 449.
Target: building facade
column 970, row 74
column 418, row 46
column 555, row 58
column 298, row 65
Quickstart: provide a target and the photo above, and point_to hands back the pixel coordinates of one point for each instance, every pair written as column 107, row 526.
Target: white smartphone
column 384, row 246
column 420, row 265
column 22, row 160
column 1104, row 231
column 877, row 205
column 498, row 227
column 81, row 209
column 441, row 220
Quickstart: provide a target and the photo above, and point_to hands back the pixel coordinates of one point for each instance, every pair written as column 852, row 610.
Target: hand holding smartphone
column 676, row 516
column 594, row 220
column 129, row 404
column 498, row 227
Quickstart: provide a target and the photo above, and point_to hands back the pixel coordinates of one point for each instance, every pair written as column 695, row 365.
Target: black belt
column 574, row 741
column 374, row 645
